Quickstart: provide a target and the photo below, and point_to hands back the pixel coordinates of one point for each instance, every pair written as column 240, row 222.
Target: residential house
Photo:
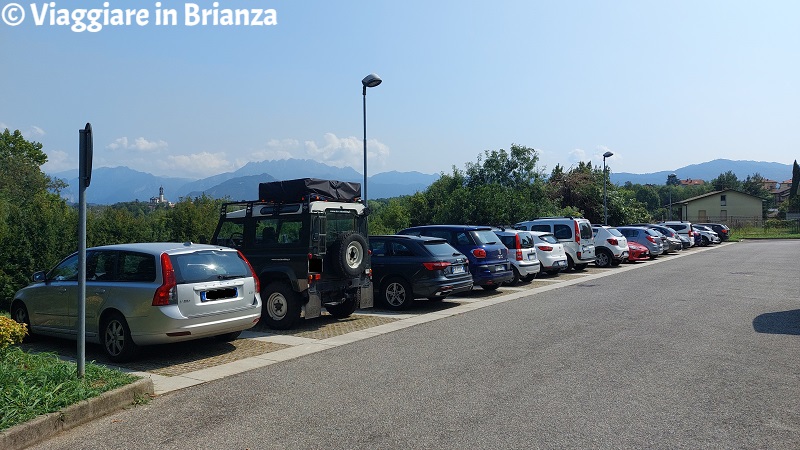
column 729, row 206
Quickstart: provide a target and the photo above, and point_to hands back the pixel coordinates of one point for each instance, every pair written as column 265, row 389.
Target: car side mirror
column 39, row 276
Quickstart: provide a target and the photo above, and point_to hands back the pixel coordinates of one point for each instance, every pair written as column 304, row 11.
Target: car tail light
column 253, row 272
column 436, row 265
column 479, row 253
column 613, row 241
column 577, row 233
column 165, row 293
column 650, row 238
column 545, row 248
column 519, row 255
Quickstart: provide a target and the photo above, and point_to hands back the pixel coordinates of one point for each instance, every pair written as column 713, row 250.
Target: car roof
column 409, row 237
column 452, row 227
column 156, row 248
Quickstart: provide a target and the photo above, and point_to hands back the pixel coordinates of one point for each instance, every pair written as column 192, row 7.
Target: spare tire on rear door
column 349, row 253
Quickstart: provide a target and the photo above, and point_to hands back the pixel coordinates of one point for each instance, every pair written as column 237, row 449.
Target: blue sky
column 660, row 84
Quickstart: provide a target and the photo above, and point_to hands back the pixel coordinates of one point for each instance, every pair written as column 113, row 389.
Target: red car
column 637, row 252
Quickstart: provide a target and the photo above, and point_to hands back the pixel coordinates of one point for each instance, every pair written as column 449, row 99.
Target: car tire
column 350, row 254
column 396, row 294
column 228, row 337
column 346, row 308
column 19, row 312
column 603, row 259
column 116, row 339
column 528, row 278
column 281, row 306
column 570, row 263
column 706, row 241
column 616, row 262
column 490, row 287
column 553, row 273
column 579, row 267
column 515, row 278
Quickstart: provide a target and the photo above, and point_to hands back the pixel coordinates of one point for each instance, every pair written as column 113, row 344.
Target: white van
column 574, row 233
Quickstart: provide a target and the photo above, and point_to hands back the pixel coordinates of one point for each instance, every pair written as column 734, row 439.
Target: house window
column 722, row 200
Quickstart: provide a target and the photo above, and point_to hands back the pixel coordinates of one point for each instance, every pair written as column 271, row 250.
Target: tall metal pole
column 365, row 145
column 605, row 196
column 85, row 150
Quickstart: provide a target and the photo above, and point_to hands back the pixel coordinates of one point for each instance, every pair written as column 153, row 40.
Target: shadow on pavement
column 783, row 322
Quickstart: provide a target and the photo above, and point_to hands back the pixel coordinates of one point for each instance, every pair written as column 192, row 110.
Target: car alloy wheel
column 397, row 293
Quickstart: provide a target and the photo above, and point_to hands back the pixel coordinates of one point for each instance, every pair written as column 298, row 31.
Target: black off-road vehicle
column 307, row 241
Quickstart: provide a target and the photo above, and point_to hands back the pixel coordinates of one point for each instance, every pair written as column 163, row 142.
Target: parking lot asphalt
column 181, row 365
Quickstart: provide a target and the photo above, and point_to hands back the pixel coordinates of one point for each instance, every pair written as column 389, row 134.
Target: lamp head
column 371, row 80
column 608, row 154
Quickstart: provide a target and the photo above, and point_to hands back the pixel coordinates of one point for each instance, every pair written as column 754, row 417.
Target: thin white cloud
column 58, row 161
column 36, row 131
column 277, row 149
column 347, row 152
column 140, row 144
column 201, row 164
column 576, row 156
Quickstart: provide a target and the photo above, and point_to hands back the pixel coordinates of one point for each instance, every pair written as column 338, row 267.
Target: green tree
column 672, row 180
column 727, row 180
column 38, row 227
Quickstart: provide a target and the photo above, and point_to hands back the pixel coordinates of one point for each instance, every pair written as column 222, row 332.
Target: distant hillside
column 111, row 185
column 707, row 171
column 120, row 184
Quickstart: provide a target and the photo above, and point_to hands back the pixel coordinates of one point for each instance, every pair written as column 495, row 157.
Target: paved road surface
column 696, row 352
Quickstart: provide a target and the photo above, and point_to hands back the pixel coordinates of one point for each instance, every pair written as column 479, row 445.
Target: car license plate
column 560, row 263
column 458, row 269
column 218, row 294
column 499, row 268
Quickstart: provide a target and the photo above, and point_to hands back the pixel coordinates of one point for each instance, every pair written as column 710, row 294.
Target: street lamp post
column 370, row 80
column 671, row 177
column 605, row 195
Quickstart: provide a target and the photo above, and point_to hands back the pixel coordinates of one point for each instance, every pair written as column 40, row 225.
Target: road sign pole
column 85, row 177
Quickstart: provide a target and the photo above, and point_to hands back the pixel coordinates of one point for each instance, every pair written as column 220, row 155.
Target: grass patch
column 33, row 384
column 764, row 233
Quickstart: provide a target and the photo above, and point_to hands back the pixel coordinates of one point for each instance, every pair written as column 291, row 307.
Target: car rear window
column 653, row 233
column 586, row 230
column 614, row 232
column 208, row 265
column 485, row 237
column 549, row 238
column 439, row 248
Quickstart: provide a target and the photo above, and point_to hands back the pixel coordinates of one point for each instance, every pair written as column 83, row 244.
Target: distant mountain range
column 707, row 171
column 111, row 185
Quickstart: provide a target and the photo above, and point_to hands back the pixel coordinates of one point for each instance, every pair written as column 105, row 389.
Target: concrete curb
column 48, row 425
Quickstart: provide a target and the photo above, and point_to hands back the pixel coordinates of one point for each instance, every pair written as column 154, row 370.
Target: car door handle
column 100, row 291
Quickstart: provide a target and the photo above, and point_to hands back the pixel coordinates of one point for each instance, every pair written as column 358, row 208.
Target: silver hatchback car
column 143, row 294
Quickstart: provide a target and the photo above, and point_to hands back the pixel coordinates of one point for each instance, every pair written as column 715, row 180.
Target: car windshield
column 440, row 248
column 208, row 266
column 485, row 237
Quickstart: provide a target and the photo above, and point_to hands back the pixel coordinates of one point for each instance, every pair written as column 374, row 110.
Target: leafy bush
column 11, row 332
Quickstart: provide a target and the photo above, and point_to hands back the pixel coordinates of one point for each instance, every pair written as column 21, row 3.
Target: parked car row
column 143, row 294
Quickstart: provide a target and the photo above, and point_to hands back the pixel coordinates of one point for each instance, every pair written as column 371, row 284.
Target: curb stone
column 48, row 425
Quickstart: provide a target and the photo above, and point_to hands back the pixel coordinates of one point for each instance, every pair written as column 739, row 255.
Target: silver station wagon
column 143, row 294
